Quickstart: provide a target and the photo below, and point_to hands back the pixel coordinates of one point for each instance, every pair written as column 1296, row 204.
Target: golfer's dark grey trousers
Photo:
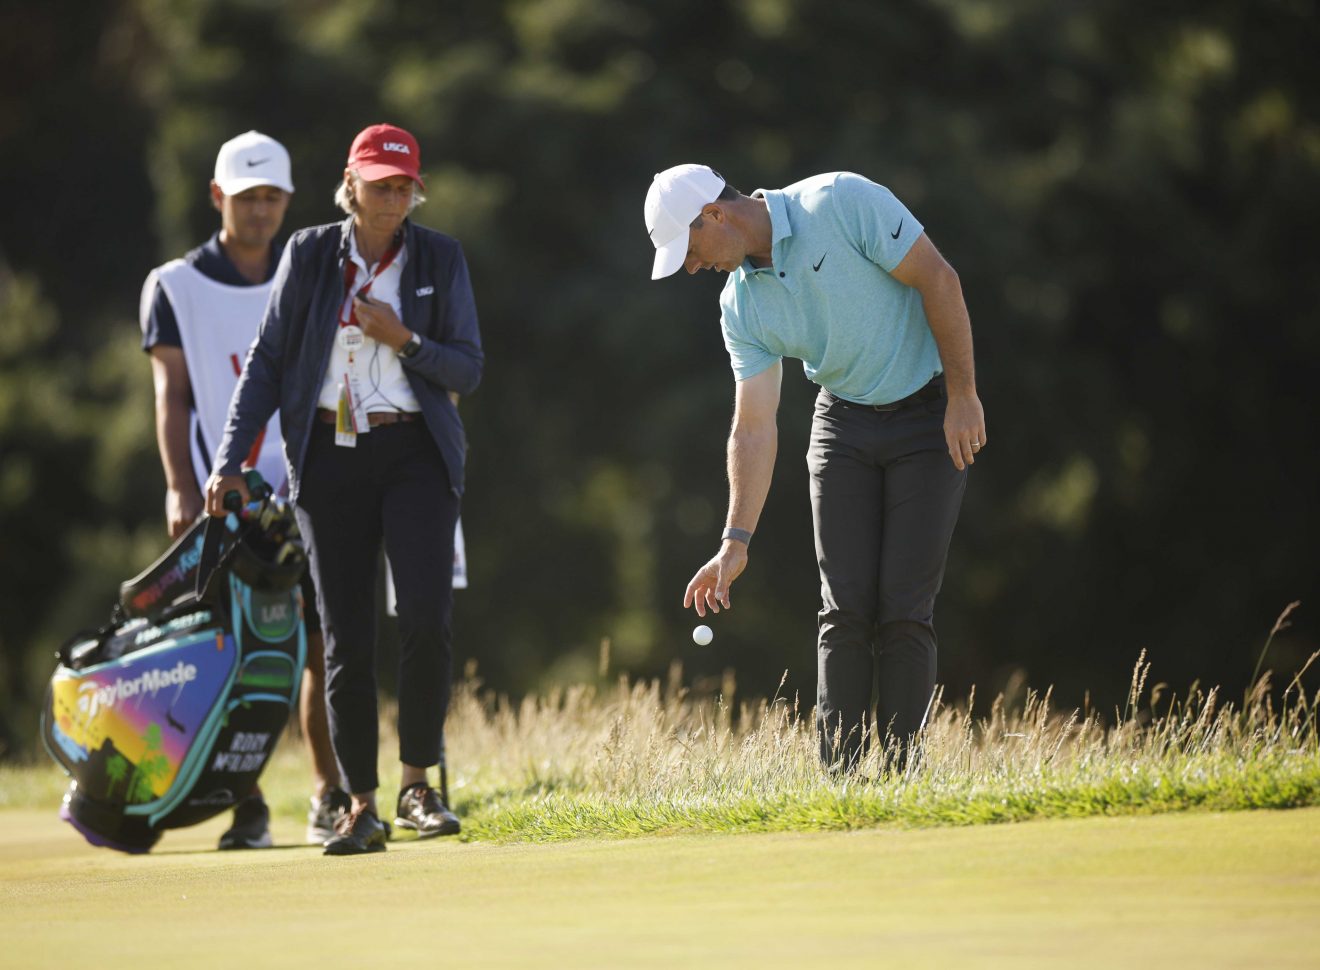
column 392, row 486
column 884, row 500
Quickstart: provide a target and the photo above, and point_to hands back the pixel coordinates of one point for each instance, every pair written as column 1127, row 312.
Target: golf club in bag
column 166, row 716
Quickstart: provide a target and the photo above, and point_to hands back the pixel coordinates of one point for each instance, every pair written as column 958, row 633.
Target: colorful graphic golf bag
column 166, row 716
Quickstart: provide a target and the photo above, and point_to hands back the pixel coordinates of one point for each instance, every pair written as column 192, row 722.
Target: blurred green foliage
column 1130, row 196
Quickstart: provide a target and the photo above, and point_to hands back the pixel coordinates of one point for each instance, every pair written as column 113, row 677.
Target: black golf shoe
column 421, row 810
column 358, row 833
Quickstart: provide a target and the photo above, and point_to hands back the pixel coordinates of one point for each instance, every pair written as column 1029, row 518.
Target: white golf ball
column 702, row 635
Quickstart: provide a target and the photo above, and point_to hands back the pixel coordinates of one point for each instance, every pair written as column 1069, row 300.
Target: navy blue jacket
column 286, row 364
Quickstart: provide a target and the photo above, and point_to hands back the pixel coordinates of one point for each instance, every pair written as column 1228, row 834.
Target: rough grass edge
column 557, row 818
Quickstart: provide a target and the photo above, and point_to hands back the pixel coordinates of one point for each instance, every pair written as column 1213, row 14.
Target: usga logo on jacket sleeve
column 395, row 146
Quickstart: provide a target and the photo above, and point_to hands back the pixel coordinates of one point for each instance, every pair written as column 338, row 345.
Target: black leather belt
column 375, row 419
column 931, row 392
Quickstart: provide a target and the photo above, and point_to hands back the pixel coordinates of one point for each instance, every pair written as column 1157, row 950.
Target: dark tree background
column 1129, row 195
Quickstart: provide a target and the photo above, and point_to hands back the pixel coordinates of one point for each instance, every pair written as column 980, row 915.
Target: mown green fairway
column 1229, row 890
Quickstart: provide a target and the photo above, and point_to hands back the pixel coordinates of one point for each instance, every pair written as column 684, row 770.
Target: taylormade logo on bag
column 93, row 697
column 395, row 146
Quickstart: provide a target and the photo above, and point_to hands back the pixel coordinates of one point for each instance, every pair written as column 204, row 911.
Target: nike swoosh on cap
column 260, row 161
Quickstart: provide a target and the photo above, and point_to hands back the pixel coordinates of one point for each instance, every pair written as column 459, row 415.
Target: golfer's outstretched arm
column 753, row 444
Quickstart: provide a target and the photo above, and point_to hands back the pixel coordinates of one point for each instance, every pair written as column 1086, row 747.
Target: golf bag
column 166, row 716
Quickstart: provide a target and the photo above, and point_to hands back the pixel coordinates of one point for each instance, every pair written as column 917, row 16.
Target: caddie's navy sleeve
column 454, row 361
column 160, row 327
column 257, row 395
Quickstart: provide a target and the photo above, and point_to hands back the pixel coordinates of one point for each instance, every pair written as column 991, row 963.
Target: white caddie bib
column 217, row 324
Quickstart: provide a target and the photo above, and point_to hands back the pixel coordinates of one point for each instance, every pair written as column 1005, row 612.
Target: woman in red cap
column 371, row 327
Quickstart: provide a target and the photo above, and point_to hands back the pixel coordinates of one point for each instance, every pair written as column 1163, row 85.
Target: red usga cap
column 384, row 150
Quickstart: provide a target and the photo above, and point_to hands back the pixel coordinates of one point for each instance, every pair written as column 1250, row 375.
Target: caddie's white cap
column 676, row 197
column 250, row 160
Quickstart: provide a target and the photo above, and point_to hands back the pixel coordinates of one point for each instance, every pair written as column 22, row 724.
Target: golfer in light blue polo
column 836, row 272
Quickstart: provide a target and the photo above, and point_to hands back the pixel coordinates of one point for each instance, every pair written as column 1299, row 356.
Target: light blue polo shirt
column 827, row 299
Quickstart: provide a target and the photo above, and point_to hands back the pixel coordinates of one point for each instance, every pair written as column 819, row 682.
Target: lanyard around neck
column 349, row 316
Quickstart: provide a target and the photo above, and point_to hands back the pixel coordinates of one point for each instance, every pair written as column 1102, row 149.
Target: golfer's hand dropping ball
column 702, row 635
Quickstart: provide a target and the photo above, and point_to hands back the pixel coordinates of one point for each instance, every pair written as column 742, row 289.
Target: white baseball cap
column 250, row 160
column 676, row 197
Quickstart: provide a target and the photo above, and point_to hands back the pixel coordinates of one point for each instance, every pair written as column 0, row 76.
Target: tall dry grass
column 651, row 756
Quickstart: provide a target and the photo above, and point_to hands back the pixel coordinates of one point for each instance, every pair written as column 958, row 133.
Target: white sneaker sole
column 265, row 842
column 319, row 836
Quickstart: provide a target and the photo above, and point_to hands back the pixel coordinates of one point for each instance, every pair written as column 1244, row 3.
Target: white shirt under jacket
column 380, row 372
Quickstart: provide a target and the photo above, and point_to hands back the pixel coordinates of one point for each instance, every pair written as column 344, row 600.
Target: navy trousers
column 393, row 487
column 884, row 498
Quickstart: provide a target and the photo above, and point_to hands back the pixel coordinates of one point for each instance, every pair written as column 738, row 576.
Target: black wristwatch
column 411, row 348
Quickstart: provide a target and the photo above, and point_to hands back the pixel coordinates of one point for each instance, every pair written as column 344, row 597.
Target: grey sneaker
column 325, row 813
column 251, row 828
